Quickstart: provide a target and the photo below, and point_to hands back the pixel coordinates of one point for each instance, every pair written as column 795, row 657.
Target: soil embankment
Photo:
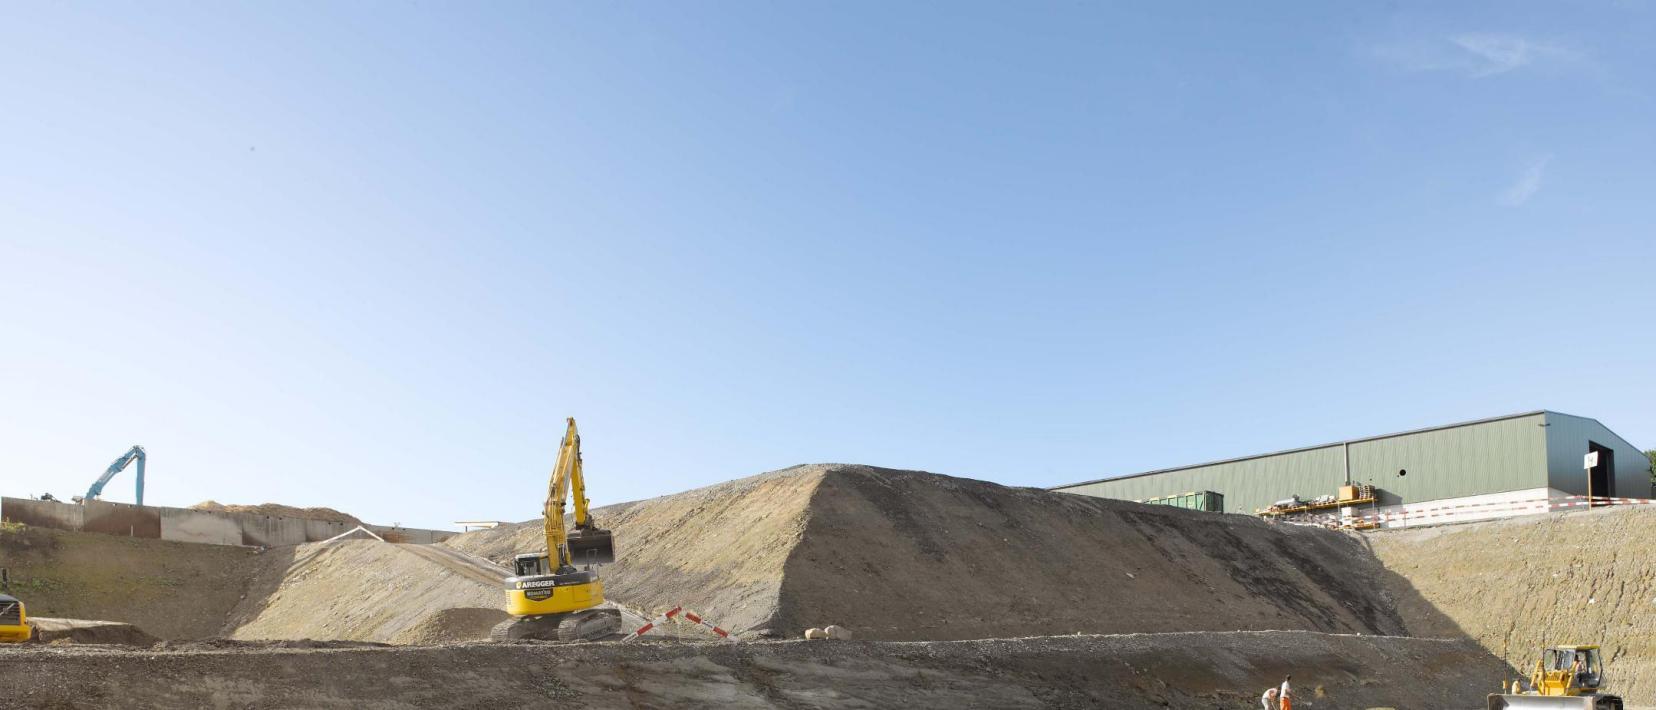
column 718, row 550
column 1521, row 584
column 906, row 555
column 363, row 590
column 1223, row 671
column 174, row 590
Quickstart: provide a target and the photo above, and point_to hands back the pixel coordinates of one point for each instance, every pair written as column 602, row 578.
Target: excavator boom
column 134, row 454
column 585, row 544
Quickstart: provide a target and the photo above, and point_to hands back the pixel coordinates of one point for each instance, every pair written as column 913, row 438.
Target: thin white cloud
column 1498, row 54
column 1476, row 55
column 1527, row 184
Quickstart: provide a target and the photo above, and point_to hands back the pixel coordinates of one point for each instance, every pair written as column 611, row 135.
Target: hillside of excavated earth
column 907, row 555
column 895, row 556
column 1520, row 584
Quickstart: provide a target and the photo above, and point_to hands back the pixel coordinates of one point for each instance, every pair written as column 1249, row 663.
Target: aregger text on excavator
column 556, row 595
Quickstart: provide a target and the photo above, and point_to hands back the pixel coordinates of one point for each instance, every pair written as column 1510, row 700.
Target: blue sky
column 369, row 255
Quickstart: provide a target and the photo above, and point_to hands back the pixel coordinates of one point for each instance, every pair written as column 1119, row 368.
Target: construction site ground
column 960, row 593
column 1127, row 672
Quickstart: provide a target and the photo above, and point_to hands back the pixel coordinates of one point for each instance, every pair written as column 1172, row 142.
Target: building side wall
column 1567, row 437
column 1455, row 462
column 1477, row 459
column 1247, row 485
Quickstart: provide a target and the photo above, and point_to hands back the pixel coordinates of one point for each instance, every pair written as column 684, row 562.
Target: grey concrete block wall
column 43, row 514
column 197, row 526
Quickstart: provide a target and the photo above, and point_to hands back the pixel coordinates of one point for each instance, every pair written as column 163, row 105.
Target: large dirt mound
column 908, row 555
column 718, row 550
column 1518, row 585
column 357, row 590
column 58, row 631
column 1221, row 671
column 279, row 510
column 451, row 626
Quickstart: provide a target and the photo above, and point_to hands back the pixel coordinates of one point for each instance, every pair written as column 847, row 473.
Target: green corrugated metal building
column 1529, row 453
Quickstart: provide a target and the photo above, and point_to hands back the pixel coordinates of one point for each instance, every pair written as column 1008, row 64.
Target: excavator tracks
column 601, row 624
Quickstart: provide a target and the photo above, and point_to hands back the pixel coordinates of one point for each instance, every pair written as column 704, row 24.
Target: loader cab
column 1574, row 666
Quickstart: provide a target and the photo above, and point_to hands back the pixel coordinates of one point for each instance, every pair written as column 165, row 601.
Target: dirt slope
column 1517, row 585
column 1137, row 672
column 357, row 590
column 718, row 550
column 905, row 555
column 173, row 590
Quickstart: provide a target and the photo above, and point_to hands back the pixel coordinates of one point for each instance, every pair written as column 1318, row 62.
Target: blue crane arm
column 136, row 453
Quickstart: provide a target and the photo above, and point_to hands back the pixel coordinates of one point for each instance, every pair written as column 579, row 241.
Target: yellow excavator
column 549, row 597
column 14, row 620
column 1564, row 677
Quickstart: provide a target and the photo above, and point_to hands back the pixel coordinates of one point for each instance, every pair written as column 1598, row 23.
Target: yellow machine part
column 564, row 599
column 15, row 634
column 19, row 632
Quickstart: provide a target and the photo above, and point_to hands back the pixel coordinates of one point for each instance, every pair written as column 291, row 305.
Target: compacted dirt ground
column 1218, row 671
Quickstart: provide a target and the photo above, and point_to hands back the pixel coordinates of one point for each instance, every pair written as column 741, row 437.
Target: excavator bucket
column 591, row 546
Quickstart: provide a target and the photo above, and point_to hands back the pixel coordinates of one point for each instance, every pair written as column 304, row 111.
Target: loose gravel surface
column 1217, row 671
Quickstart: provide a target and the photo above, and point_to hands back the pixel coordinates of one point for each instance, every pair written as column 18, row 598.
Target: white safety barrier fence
column 351, row 532
column 1465, row 512
column 675, row 611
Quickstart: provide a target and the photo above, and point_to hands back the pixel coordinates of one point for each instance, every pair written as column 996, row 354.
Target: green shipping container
column 1201, row 500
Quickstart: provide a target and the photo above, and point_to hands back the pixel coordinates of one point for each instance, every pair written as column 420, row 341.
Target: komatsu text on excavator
column 555, row 595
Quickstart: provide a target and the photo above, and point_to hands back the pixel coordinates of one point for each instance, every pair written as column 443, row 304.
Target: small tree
column 1651, row 454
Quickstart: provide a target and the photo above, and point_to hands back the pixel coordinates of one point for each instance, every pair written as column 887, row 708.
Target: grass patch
column 21, row 539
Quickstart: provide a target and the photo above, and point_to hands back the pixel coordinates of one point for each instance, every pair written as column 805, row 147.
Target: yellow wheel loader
column 14, row 619
column 1564, row 677
column 549, row 597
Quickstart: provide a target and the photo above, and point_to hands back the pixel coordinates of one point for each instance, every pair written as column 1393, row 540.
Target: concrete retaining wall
column 199, row 526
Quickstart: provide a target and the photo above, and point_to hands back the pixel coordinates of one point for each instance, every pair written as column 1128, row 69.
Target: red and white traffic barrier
column 675, row 611
column 721, row 632
column 654, row 623
column 1468, row 511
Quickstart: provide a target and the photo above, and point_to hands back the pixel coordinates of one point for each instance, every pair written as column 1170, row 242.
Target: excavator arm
column 586, row 543
column 136, row 453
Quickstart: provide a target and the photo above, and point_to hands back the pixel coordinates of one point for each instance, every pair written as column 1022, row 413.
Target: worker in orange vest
column 1286, row 693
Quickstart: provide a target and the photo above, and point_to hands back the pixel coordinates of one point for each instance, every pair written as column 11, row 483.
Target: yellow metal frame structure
column 21, row 631
column 1561, row 681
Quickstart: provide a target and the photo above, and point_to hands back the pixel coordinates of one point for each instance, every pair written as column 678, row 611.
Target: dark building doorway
column 1603, row 476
